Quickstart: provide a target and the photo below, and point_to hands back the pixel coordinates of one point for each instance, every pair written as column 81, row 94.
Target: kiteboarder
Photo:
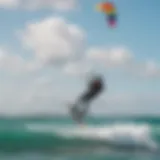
column 95, row 87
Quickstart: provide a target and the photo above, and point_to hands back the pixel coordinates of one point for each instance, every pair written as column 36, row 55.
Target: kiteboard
column 76, row 114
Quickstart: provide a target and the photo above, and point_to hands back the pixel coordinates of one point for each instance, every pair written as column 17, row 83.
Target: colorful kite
column 109, row 9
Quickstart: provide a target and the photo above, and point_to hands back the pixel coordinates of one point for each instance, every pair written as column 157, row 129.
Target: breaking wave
column 49, row 137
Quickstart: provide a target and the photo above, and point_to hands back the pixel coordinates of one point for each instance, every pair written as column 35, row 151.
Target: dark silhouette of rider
column 95, row 87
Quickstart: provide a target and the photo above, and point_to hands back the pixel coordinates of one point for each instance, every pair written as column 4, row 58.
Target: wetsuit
column 95, row 88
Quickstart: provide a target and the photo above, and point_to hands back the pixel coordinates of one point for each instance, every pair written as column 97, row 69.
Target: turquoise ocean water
column 59, row 138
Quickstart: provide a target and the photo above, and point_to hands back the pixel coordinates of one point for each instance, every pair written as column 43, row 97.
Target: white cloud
column 152, row 68
column 13, row 63
column 79, row 68
column 53, row 40
column 111, row 58
column 122, row 58
column 63, row 5
column 53, row 4
column 101, row 57
column 31, row 95
column 46, row 95
column 127, row 103
column 10, row 62
column 9, row 3
column 56, row 41
column 149, row 69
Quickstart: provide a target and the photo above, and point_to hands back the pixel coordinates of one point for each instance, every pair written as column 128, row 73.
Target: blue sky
column 138, row 24
column 137, row 32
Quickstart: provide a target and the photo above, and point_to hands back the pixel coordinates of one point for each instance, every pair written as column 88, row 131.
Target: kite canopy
column 109, row 9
